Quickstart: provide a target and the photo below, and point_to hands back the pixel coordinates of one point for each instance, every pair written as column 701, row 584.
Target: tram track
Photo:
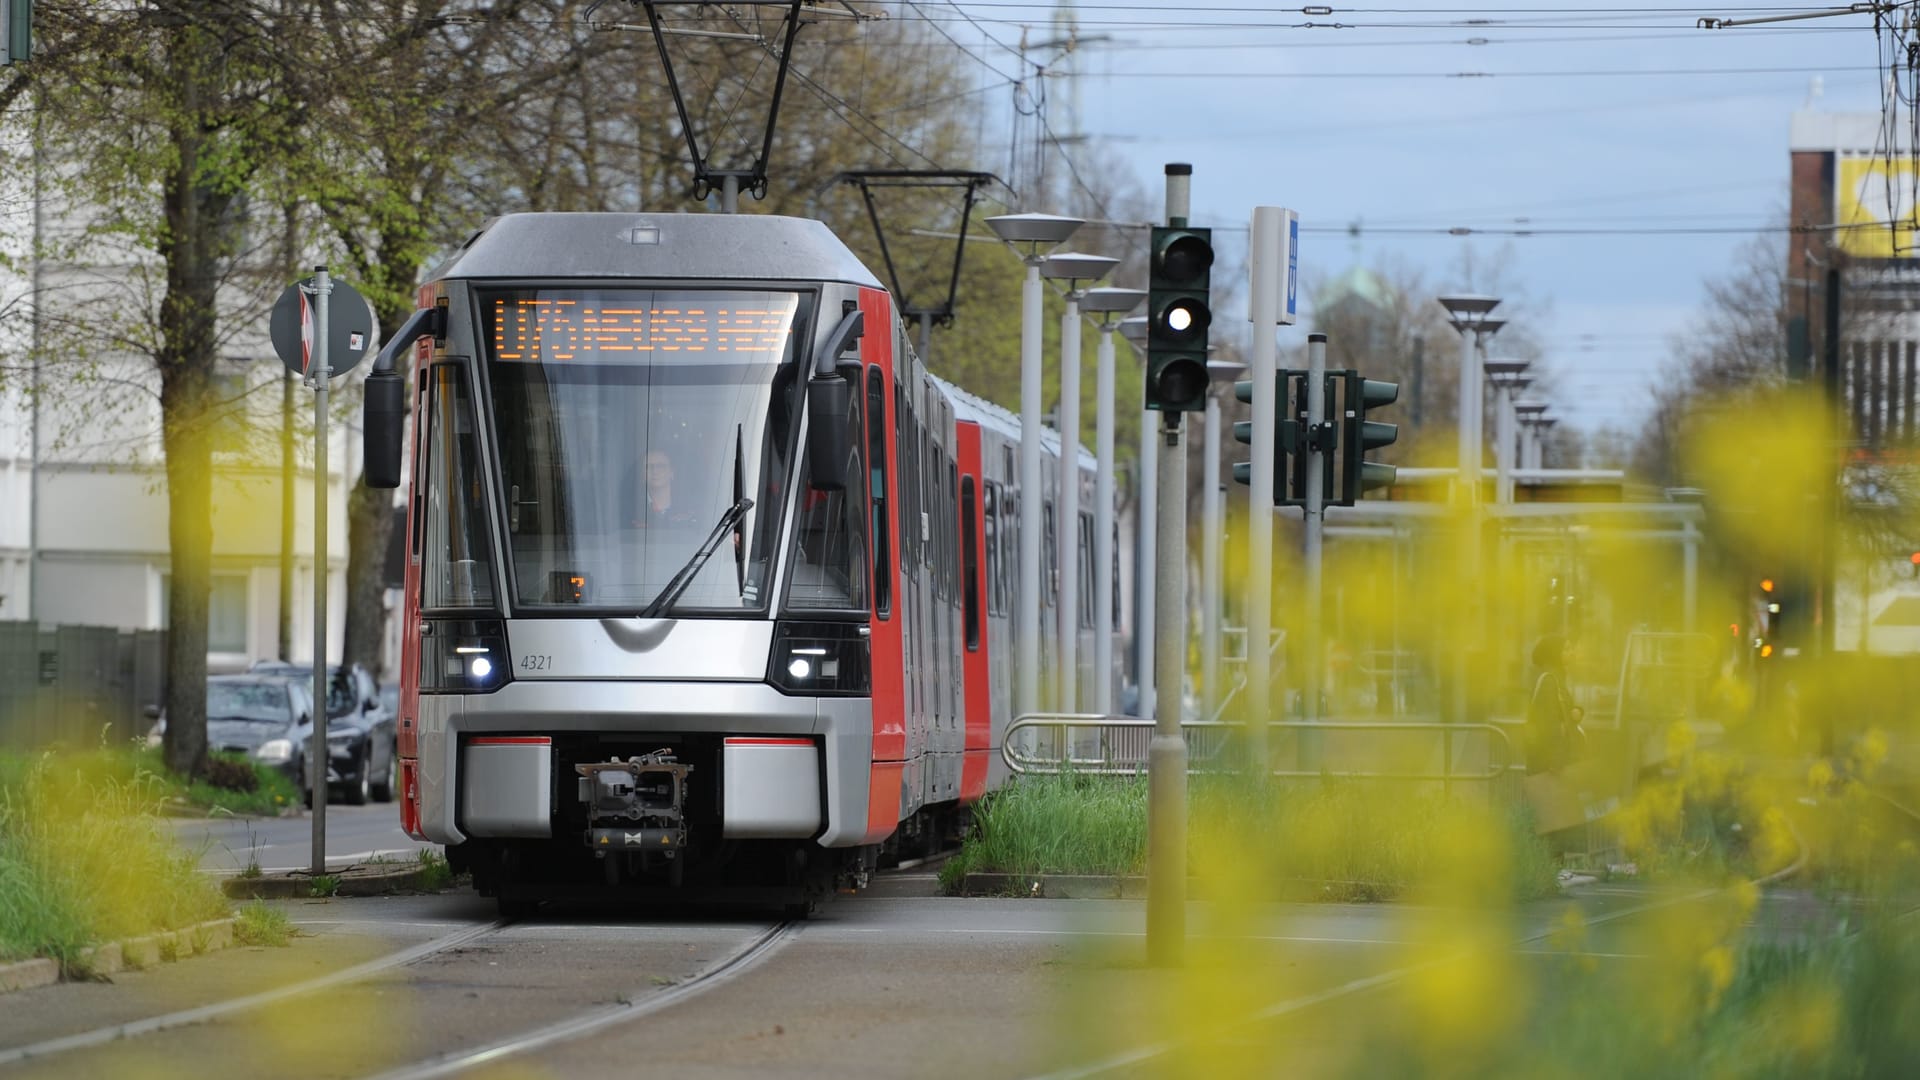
column 111, row 1033
column 631, row 1007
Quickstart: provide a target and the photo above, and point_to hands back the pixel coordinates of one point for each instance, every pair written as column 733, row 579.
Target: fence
column 77, row 685
column 1092, row 744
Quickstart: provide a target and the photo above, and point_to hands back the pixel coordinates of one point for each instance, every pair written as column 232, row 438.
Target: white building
column 83, row 490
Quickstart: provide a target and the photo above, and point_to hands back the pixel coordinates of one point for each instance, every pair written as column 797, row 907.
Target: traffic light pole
column 1311, row 647
column 1212, row 542
column 1145, row 621
column 1267, row 263
column 1167, row 753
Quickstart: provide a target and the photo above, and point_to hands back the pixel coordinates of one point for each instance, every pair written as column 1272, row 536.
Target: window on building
column 226, row 611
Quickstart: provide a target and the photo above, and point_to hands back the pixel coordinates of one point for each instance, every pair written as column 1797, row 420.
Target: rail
column 1120, row 748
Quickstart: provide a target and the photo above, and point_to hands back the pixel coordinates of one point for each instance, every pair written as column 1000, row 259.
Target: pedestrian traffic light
column 1178, row 314
column 1360, row 435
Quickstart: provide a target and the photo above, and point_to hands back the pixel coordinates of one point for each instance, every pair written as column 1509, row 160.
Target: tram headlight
column 464, row 655
column 821, row 658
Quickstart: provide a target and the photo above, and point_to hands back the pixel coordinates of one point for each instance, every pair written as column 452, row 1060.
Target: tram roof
column 968, row 406
column 760, row 247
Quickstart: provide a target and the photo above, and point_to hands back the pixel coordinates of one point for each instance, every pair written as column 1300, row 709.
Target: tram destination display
column 548, row 326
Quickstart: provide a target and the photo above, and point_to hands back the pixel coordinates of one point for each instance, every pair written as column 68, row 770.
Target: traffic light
column 1360, row 435
column 1178, row 314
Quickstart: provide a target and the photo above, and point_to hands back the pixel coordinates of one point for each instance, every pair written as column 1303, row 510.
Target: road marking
column 189, row 1017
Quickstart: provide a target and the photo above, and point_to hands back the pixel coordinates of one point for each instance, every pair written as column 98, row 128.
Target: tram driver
column 657, row 508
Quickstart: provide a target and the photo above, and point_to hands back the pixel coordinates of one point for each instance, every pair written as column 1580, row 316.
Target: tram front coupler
column 638, row 804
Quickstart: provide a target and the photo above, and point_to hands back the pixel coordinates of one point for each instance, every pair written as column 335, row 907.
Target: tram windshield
column 628, row 421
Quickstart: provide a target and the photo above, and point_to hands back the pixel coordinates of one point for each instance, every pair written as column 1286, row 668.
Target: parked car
column 266, row 717
column 363, row 759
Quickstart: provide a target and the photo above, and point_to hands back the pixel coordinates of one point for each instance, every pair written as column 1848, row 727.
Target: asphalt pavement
column 354, row 834
column 894, row 982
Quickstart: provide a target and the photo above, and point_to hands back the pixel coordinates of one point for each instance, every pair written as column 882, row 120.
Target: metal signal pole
column 321, row 289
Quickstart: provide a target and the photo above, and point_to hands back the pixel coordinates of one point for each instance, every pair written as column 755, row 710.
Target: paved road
column 896, row 982
column 354, row 834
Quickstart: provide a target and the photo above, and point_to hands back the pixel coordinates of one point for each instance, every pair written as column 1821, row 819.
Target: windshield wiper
column 679, row 582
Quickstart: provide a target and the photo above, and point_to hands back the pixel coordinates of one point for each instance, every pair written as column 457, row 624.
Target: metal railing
column 1119, row 747
column 1276, row 642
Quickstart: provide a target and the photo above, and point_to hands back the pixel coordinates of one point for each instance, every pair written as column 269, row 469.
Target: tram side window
column 877, row 486
column 930, row 487
column 970, row 560
column 829, row 537
column 1085, row 572
column 992, row 523
column 903, row 459
column 1009, row 546
column 458, row 562
column 1049, row 579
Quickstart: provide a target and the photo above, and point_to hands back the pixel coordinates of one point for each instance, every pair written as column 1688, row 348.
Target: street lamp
column 1107, row 305
column 1506, row 376
column 1530, row 414
column 1213, row 527
column 1035, row 232
column 1071, row 267
column 1471, row 315
column 1146, row 543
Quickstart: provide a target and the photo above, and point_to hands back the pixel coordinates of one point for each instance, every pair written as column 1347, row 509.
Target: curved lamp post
column 1036, row 233
column 1071, row 267
column 1106, row 305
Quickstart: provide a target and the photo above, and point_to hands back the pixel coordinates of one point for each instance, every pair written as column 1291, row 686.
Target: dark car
column 266, row 717
column 363, row 760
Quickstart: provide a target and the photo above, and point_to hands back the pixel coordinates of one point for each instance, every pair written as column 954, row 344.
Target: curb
column 114, row 957
column 354, row 881
column 28, row 974
column 1134, row 887
column 1055, row 886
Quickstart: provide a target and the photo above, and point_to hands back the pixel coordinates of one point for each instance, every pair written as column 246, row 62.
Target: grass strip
column 1353, row 842
column 84, row 859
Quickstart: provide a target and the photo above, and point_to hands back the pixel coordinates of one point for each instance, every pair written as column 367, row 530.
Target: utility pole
column 1826, row 637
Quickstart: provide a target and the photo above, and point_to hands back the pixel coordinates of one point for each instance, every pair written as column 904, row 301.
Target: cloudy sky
column 1663, row 144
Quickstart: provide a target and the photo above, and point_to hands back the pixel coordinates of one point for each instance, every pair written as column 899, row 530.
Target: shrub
column 230, row 774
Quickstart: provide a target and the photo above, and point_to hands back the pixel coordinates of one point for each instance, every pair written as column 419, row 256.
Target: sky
column 1623, row 119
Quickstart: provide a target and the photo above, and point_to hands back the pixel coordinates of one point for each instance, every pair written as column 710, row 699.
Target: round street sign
column 349, row 329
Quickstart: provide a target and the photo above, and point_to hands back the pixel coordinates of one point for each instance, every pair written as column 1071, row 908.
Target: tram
column 709, row 582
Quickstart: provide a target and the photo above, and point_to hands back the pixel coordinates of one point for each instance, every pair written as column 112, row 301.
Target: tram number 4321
column 535, row 662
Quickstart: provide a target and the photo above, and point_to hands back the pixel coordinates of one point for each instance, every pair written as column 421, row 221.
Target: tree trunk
column 186, row 358
column 369, row 527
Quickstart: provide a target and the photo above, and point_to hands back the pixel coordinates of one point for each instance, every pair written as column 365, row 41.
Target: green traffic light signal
column 1179, row 311
column 1361, row 435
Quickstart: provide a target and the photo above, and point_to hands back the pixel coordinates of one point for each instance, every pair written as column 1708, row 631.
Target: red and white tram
column 710, row 583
